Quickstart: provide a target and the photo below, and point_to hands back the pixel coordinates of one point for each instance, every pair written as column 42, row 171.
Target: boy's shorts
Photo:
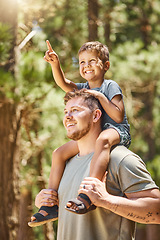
column 125, row 137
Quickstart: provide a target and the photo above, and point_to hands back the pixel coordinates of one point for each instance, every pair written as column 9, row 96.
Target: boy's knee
column 103, row 140
column 56, row 154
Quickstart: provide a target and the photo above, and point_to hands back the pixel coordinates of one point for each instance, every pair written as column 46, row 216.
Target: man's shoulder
column 121, row 154
column 129, row 171
column 121, row 151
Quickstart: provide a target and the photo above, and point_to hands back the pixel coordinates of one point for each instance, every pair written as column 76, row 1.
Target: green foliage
column 138, row 73
column 5, row 42
column 7, row 84
column 31, row 73
column 42, row 131
column 154, row 169
column 134, row 56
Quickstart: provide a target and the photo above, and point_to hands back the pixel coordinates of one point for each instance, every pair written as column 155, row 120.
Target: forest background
column 31, row 105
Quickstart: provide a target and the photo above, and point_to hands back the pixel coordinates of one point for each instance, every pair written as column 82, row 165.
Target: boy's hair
column 89, row 99
column 101, row 49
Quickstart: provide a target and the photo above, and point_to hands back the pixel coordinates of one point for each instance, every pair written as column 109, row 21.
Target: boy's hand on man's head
column 50, row 55
column 94, row 93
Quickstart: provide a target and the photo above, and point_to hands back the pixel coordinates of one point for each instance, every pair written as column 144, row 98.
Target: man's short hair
column 89, row 99
column 101, row 49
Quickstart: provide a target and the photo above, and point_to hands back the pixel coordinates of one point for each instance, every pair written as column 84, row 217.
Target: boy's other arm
column 58, row 74
column 114, row 108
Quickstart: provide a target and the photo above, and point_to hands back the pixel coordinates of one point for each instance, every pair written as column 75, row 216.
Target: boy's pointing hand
column 50, row 55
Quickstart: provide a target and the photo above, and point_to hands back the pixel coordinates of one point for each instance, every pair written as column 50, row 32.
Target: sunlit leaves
column 5, row 42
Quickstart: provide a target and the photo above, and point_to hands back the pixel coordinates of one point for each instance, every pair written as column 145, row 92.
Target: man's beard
column 80, row 133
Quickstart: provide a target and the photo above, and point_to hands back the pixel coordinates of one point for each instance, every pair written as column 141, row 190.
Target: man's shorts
column 125, row 137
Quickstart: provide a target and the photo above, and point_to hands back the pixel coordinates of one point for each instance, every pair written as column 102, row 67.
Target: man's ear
column 106, row 65
column 97, row 115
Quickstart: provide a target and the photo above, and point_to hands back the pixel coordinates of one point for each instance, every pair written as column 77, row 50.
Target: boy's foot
column 80, row 205
column 44, row 215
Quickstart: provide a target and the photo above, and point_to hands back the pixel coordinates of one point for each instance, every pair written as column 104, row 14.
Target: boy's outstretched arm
column 58, row 74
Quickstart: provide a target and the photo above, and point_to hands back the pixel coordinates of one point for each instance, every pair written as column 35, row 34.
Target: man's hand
column 142, row 206
column 46, row 197
column 50, row 55
column 94, row 189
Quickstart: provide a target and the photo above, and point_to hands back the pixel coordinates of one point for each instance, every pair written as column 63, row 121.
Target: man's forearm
column 143, row 210
column 142, row 206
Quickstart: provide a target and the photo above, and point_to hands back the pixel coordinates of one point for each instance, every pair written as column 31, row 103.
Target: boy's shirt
column 110, row 89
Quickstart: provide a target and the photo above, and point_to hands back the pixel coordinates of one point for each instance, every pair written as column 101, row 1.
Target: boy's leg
column 100, row 160
column 59, row 158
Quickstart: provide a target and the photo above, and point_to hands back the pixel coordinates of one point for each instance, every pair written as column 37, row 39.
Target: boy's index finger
column 49, row 46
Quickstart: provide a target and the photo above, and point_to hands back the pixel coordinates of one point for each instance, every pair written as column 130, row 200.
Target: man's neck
column 87, row 143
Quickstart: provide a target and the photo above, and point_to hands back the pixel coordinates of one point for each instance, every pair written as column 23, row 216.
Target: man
column 131, row 193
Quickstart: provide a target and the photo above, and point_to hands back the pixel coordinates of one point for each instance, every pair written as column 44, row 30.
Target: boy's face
column 91, row 67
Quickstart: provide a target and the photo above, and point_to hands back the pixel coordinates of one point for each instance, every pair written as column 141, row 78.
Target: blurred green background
column 31, row 105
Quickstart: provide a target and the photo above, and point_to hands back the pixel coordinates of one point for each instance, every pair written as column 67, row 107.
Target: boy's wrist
column 98, row 95
column 101, row 96
column 55, row 64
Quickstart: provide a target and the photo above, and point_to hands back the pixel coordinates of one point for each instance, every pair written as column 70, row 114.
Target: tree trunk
column 47, row 228
column 145, row 28
column 148, row 232
column 25, row 232
column 10, row 117
column 9, row 169
column 147, row 98
column 93, row 20
column 153, row 232
column 141, row 232
column 107, row 28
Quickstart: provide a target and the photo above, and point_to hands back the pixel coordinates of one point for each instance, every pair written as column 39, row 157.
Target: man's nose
column 68, row 115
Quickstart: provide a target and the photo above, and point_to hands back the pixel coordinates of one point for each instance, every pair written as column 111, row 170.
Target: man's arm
column 58, row 74
column 142, row 207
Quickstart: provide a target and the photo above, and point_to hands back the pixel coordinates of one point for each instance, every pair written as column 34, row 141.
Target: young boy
column 93, row 62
